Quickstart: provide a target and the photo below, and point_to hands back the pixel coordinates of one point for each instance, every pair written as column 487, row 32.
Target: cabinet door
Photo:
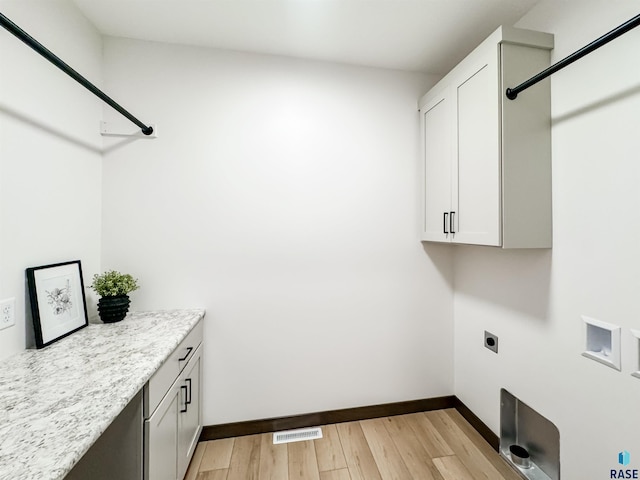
column 476, row 189
column 161, row 431
column 190, row 415
column 437, row 127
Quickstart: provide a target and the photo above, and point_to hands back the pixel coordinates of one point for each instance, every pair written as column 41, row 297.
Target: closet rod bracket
column 108, row 130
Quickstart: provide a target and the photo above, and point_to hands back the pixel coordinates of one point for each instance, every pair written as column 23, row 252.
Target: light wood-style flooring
column 437, row 445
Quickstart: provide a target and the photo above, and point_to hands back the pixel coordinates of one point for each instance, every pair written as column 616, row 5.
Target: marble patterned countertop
column 56, row 402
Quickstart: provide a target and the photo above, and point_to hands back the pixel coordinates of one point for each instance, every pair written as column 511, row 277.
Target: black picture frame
column 58, row 303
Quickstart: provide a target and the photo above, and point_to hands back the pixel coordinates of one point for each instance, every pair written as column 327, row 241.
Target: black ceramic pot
column 113, row 309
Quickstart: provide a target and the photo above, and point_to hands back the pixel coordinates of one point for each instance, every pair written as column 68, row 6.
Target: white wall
column 281, row 195
column 534, row 300
column 50, row 152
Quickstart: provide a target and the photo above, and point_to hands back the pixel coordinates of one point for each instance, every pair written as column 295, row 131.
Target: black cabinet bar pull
column 444, row 223
column 185, row 399
column 188, row 402
column 189, row 350
column 451, row 224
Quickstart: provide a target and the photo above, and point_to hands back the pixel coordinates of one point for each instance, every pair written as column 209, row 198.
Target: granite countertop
column 56, row 402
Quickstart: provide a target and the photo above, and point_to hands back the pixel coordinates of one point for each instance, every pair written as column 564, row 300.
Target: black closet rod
column 42, row 50
column 512, row 93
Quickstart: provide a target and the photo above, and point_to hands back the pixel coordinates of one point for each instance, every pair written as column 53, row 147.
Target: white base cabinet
column 190, row 416
column 173, row 422
column 487, row 159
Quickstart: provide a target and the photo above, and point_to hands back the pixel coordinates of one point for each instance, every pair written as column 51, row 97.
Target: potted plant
column 113, row 287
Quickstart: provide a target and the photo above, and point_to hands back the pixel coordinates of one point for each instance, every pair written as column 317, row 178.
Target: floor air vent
column 297, row 435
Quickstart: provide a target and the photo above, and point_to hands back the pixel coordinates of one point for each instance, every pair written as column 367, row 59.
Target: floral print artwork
column 60, row 299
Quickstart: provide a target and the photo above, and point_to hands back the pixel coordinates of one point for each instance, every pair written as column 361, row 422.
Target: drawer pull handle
column 451, row 222
column 185, row 398
column 444, row 223
column 189, row 350
column 188, row 402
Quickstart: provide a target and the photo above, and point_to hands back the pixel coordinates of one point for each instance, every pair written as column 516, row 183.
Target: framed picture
column 58, row 303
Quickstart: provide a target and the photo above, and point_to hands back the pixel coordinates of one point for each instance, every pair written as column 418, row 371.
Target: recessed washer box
column 602, row 342
column 636, row 333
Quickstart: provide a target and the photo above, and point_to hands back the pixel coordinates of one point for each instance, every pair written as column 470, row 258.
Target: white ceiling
column 420, row 35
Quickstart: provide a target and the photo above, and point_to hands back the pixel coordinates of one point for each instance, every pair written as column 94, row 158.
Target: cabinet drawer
column 162, row 380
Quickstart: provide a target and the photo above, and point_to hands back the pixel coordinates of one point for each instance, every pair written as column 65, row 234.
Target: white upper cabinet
column 487, row 159
column 437, row 130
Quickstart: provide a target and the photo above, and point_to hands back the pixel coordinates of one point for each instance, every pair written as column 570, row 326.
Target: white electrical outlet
column 7, row 313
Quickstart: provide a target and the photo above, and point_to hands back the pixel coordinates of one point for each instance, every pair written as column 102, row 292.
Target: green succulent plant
column 112, row 283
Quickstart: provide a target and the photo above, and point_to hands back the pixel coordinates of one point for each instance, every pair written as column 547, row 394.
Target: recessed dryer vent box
column 602, row 342
column 529, row 442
